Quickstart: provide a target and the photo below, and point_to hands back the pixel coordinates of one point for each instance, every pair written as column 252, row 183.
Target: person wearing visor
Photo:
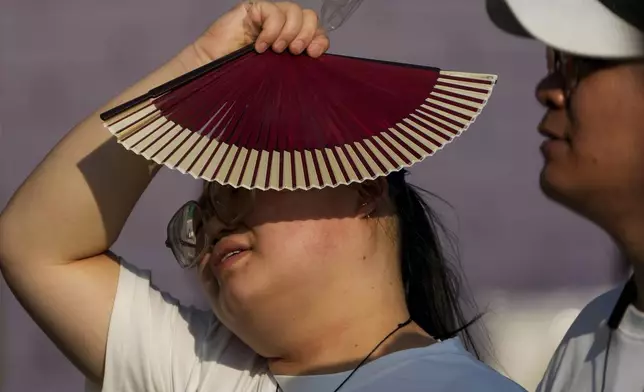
column 340, row 288
column 594, row 165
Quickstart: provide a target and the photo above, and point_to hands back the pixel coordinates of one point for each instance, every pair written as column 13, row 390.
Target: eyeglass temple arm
column 335, row 12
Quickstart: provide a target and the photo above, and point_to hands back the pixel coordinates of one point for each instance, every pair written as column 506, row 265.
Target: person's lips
column 226, row 252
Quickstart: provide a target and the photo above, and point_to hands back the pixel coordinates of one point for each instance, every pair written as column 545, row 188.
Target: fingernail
column 261, row 47
column 279, row 46
column 315, row 50
column 297, row 46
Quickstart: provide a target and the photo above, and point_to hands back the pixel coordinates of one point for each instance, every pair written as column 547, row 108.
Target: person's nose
column 220, row 229
column 551, row 93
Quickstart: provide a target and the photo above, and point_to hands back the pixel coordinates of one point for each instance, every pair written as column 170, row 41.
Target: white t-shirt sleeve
column 153, row 342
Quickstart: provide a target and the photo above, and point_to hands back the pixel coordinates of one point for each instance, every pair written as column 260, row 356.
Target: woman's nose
column 219, row 229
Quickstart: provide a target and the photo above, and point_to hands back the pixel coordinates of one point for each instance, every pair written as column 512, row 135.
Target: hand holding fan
column 286, row 122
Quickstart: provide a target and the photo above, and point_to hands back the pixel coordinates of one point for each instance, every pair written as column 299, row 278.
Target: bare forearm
column 76, row 202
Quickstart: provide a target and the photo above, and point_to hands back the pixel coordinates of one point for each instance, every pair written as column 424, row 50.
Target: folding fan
column 286, row 122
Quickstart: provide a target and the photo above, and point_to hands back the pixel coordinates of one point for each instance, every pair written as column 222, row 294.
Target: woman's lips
column 230, row 259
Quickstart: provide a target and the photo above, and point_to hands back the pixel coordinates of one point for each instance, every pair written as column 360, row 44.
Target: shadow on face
column 260, row 207
column 297, row 247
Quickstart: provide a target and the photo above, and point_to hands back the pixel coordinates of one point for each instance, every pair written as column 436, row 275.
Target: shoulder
column 154, row 341
column 461, row 371
column 593, row 316
column 585, row 337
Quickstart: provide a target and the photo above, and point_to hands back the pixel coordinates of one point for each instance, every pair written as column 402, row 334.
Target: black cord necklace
column 398, row 328
column 626, row 298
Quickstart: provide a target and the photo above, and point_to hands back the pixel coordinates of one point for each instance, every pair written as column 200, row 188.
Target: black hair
column 432, row 287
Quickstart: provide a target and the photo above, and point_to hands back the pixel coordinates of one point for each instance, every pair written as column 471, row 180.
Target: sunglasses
column 193, row 230
column 572, row 69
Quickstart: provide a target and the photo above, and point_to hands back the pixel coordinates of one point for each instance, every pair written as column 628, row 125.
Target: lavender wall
column 60, row 60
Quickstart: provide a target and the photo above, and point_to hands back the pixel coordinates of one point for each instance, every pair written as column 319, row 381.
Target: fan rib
column 347, row 164
column 199, row 150
column 314, row 171
column 181, row 153
column 395, row 139
column 396, row 157
column 370, row 164
column 425, row 142
column 173, row 144
column 134, row 139
column 287, row 171
column 320, row 166
column 434, row 128
column 339, row 168
column 225, row 164
column 463, row 87
column 210, row 170
column 234, row 175
column 430, row 112
column 358, row 164
column 300, row 170
column 449, row 110
column 158, row 140
column 420, row 151
column 454, row 104
column 136, row 115
column 275, row 172
column 259, row 171
column 477, row 98
column 247, row 174
column 205, row 159
column 136, row 127
column 269, row 169
column 280, row 171
column 445, row 127
column 384, row 162
column 437, row 138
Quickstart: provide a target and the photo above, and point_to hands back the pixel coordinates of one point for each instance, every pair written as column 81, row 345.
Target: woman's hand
column 280, row 26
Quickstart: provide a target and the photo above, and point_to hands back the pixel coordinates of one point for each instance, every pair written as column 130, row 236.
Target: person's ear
column 370, row 195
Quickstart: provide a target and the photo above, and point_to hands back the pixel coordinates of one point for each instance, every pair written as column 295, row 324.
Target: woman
column 342, row 288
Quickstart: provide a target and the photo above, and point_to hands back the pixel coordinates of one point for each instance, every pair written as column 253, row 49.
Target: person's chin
column 560, row 186
column 554, row 184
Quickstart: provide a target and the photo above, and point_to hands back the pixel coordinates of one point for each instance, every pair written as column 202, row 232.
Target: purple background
column 61, row 60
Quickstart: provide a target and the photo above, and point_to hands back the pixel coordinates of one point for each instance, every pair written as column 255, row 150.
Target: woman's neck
column 343, row 348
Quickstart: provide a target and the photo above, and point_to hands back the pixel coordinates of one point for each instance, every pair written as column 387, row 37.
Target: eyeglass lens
column 229, row 204
column 187, row 235
column 566, row 66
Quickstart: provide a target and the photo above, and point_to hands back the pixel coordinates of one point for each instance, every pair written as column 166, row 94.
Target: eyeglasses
column 194, row 228
column 574, row 68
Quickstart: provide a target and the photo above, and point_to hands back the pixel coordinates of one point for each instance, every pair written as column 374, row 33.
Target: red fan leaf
column 279, row 121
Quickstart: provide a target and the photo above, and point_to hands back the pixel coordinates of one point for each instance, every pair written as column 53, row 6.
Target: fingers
column 270, row 20
column 319, row 45
column 286, row 25
column 292, row 26
column 307, row 32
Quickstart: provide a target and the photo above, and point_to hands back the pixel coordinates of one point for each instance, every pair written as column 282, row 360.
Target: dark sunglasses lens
column 187, row 235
